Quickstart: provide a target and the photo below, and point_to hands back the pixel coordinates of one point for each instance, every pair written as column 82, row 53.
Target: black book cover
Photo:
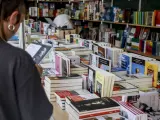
column 91, row 80
column 41, row 53
column 104, row 64
column 94, row 104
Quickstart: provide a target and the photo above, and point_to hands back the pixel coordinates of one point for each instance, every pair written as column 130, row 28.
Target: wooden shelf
column 143, row 54
column 110, row 22
column 31, row 1
column 58, row 1
column 86, row 20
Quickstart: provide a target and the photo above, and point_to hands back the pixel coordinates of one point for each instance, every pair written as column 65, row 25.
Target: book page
column 32, row 49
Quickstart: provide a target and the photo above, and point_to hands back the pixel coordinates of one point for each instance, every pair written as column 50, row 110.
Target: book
column 123, row 88
column 80, row 97
column 38, row 51
column 104, row 64
column 139, row 80
column 93, row 105
column 94, row 60
column 104, row 83
column 132, row 113
column 91, row 79
column 152, row 69
column 138, row 65
column 85, row 81
column 125, row 62
column 58, row 64
column 70, row 79
column 149, row 47
column 113, row 55
column 61, row 95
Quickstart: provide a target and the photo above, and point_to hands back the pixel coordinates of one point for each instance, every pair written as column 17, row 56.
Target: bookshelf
column 143, row 54
column 138, row 5
column 109, row 22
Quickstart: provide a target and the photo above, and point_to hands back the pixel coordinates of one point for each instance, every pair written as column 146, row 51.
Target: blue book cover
column 138, row 66
column 125, row 61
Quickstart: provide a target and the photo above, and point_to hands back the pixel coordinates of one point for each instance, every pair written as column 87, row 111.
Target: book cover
column 101, row 51
column 78, row 98
column 65, row 66
column 125, row 61
column 123, row 88
column 151, row 69
column 38, row 51
column 138, row 65
column 85, row 81
column 149, row 46
column 132, row 113
column 95, row 104
column 144, row 34
column 104, row 64
column 65, row 93
column 91, row 80
column 94, row 60
column 131, row 98
column 58, row 61
column 109, row 54
column 135, row 44
column 99, row 86
column 95, row 49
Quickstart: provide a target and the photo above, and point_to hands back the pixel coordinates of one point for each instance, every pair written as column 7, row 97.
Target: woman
column 21, row 94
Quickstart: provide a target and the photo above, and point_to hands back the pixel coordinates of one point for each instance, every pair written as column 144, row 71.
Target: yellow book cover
column 99, row 84
column 152, row 70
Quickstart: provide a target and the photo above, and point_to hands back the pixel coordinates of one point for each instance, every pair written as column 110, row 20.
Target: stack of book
column 61, row 96
column 130, row 112
column 104, row 83
column 79, row 69
column 46, row 10
column 33, row 11
column 62, row 65
column 110, row 53
column 53, row 84
column 100, row 62
column 114, row 116
column 150, row 18
column 123, row 88
column 139, row 80
column 143, row 40
column 89, row 106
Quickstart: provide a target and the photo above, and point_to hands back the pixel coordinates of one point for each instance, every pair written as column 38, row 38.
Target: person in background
column 22, row 96
column 63, row 21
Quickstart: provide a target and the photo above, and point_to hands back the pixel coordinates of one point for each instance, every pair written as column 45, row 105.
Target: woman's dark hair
column 7, row 7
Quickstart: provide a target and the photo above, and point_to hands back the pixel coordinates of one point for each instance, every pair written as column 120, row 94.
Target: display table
column 59, row 114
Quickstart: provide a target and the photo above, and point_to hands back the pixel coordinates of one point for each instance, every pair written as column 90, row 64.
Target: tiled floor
column 58, row 113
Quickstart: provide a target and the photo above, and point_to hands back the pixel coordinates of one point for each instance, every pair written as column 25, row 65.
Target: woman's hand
column 39, row 68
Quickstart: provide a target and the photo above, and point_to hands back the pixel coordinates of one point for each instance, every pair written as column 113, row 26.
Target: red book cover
column 157, row 17
column 138, row 30
column 63, row 94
